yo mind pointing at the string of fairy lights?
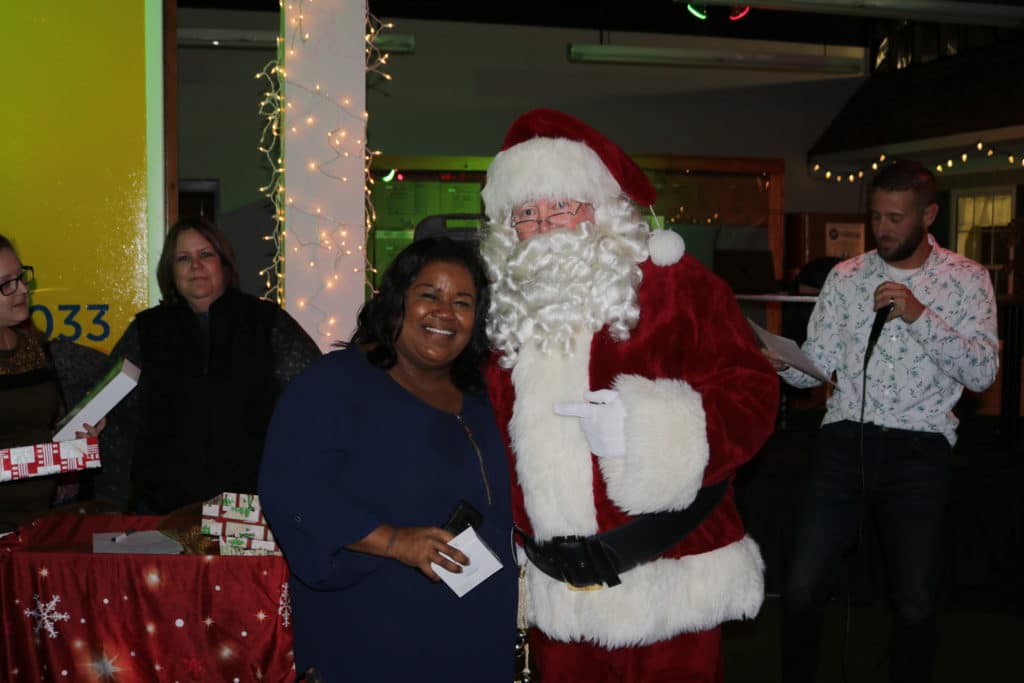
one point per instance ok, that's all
(980, 151)
(331, 236)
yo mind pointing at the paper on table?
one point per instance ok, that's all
(482, 563)
(788, 351)
(135, 543)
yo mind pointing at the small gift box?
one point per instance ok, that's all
(236, 545)
(45, 459)
(237, 521)
(107, 393)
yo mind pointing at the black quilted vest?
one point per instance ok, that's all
(205, 406)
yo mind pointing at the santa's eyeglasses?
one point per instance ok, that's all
(528, 220)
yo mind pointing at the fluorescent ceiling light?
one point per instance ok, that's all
(392, 43)
(227, 38)
(941, 11)
(709, 58)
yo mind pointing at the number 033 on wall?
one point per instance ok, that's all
(73, 322)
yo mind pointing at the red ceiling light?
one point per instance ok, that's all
(738, 13)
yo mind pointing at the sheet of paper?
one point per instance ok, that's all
(788, 351)
(135, 543)
(482, 563)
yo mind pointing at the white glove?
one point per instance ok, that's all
(603, 420)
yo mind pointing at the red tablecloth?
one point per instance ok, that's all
(70, 615)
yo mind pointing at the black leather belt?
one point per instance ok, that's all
(589, 561)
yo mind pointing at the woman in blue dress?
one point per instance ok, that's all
(368, 452)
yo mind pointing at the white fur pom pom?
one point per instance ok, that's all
(666, 247)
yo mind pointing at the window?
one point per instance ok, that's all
(984, 231)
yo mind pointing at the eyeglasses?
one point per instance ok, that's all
(26, 277)
(526, 221)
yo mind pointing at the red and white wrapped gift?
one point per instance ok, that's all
(45, 459)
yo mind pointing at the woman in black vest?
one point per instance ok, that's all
(213, 361)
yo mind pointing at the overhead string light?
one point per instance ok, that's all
(331, 237)
(978, 152)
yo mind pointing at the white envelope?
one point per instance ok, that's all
(482, 563)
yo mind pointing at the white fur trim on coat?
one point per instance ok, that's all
(553, 460)
(666, 446)
(546, 168)
(655, 601)
(666, 247)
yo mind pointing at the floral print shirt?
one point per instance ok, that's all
(917, 371)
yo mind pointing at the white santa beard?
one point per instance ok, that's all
(553, 460)
(559, 284)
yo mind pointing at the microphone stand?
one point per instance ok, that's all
(881, 317)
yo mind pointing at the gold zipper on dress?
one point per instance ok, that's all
(479, 456)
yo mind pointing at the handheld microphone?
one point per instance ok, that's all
(881, 316)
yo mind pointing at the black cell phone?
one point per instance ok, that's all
(464, 515)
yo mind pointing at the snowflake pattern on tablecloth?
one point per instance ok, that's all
(194, 665)
(284, 606)
(46, 615)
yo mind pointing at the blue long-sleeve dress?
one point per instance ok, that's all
(349, 449)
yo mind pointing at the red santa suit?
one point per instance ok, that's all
(700, 401)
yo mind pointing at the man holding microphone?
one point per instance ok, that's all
(884, 447)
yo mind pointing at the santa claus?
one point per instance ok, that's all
(629, 389)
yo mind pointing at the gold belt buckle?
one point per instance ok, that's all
(591, 587)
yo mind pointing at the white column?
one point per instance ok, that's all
(324, 142)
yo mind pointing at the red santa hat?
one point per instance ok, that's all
(548, 154)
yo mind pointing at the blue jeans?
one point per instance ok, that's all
(906, 487)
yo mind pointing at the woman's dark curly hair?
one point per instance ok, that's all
(381, 318)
